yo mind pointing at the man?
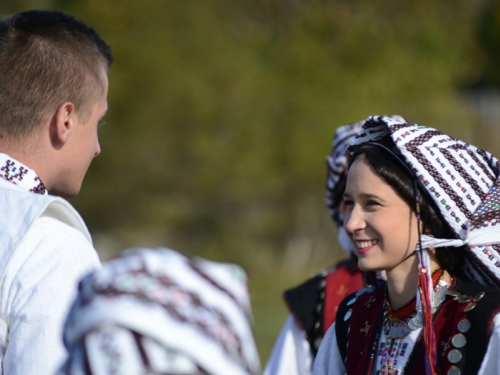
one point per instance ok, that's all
(53, 93)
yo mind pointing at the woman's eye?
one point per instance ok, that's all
(348, 202)
(372, 203)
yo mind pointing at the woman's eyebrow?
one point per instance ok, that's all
(368, 195)
(364, 196)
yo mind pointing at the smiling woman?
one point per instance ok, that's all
(378, 220)
(435, 313)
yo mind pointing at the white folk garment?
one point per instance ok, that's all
(156, 311)
(291, 354)
(329, 362)
(45, 249)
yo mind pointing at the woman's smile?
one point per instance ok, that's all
(362, 246)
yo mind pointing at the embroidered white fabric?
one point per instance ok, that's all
(38, 284)
(157, 311)
(476, 237)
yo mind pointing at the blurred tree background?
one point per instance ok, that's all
(221, 113)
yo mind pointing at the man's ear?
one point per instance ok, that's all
(62, 124)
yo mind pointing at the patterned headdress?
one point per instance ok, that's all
(463, 181)
(157, 312)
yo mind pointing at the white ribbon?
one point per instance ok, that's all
(480, 236)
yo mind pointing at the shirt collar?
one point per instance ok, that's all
(20, 175)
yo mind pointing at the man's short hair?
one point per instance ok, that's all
(46, 59)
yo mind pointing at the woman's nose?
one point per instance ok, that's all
(353, 220)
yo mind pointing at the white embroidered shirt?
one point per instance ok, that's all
(44, 251)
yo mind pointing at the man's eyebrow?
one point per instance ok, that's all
(101, 120)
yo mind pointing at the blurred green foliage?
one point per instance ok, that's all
(222, 111)
(489, 43)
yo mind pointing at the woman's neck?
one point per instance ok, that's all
(402, 284)
(402, 281)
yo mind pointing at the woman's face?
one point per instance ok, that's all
(380, 223)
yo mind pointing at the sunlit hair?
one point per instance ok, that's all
(46, 59)
(387, 166)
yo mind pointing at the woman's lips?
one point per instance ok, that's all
(362, 246)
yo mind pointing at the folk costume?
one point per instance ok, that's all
(449, 328)
(155, 311)
(45, 249)
(313, 304)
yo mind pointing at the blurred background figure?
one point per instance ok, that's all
(159, 312)
(313, 305)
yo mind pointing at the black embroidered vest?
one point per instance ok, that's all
(357, 326)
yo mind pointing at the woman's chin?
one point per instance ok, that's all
(368, 267)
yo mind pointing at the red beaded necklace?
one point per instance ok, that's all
(407, 310)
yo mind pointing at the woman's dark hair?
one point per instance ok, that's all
(393, 170)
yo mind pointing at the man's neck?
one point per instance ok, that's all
(31, 151)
